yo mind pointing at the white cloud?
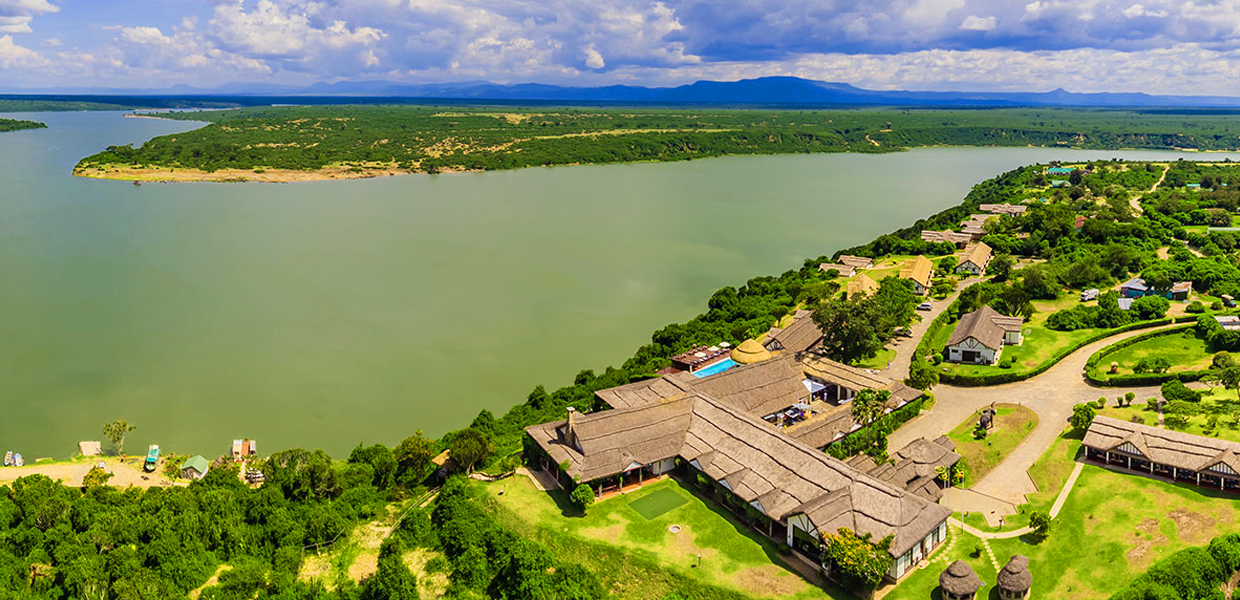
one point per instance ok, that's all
(976, 23)
(15, 25)
(144, 35)
(13, 56)
(594, 60)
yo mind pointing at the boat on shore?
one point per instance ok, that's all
(152, 459)
(8, 458)
(18, 461)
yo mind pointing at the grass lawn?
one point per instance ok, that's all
(1049, 474)
(1113, 526)
(879, 361)
(1013, 424)
(627, 538)
(1221, 402)
(1185, 351)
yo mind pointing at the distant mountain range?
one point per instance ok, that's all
(762, 91)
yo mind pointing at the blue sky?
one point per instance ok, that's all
(1159, 46)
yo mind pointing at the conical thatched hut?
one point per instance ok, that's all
(1015, 579)
(749, 352)
(959, 582)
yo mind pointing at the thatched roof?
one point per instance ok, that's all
(959, 579)
(978, 255)
(856, 262)
(947, 235)
(843, 270)
(749, 352)
(644, 392)
(1003, 209)
(1163, 446)
(772, 472)
(759, 389)
(821, 367)
(800, 336)
(1015, 576)
(918, 269)
(985, 325)
(913, 466)
(861, 284)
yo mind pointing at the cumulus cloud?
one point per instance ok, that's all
(16, 15)
(13, 56)
(976, 23)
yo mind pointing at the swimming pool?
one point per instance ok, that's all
(718, 367)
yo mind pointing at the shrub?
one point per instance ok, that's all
(1139, 419)
(583, 496)
(1082, 416)
(1195, 307)
(1151, 404)
(1176, 390)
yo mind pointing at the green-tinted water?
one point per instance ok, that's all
(325, 314)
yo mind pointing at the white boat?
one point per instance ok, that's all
(8, 458)
(18, 461)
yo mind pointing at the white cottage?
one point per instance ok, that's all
(976, 257)
(980, 336)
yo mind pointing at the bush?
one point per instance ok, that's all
(1157, 364)
(583, 496)
(1152, 404)
(1082, 416)
(1195, 307)
(1176, 390)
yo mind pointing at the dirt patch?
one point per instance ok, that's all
(215, 578)
(685, 544)
(315, 567)
(430, 585)
(1194, 528)
(365, 565)
(768, 581)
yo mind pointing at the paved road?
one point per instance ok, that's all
(1051, 394)
(905, 346)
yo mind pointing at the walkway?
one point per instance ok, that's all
(905, 346)
(1136, 200)
(1055, 508)
(1051, 394)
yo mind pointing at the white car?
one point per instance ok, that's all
(925, 306)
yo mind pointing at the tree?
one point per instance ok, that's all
(392, 580)
(857, 557)
(1040, 522)
(95, 477)
(1178, 412)
(470, 447)
(869, 405)
(583, 496)
(413, 459)
(116, 432)
(1230, 378)
(850, 328)
(1001, 267)
(1149, 308)
(1082, 416)
(922, 375)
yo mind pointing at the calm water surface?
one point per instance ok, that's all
(327, 314)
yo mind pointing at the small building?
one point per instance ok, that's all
(1195, 187)
(90, 448)
(976, 257)
(243, 449)
(861, 284)
(843, 270)
(1136, 288)
(1079, 222)
(195, 467)
(1011, 210)
(1177, 456)
(1089, 295)
(1124, 303)
(975, 226)
(1228, 301)
(920, 271)
(959, 582)
(980, 336)
(856, 262)
(947, 236)
(1228, 322)
(749, 352)
(699, 357)
(1059, 170)
(1015, 580)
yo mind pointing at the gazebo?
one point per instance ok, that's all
(959, 582)
(749, 352)
(1015, 580)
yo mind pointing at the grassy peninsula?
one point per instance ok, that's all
(17, 125)
(339, 142)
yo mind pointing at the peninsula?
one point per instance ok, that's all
(299, 143)
(17, 125)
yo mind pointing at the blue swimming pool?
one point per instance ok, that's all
(718, 367)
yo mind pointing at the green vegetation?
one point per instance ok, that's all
(1013, 423)
(431, 139)
(1190, 573)
(80, 103)
(639, 557)
(1173, 351)
(15, 125)
(858, 328)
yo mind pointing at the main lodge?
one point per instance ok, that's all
(754, 434)
(1208, 462)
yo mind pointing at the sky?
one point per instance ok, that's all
(1183, 47)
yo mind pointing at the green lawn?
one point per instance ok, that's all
(1049, 474)
(1013, 424)
(1185, 351)
(1221, 402)
(1113, 526)
(631, 549)
(879, 361)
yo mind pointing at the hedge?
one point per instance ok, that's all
(1093, 375)
(1009, 377)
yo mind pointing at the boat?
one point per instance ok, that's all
(8, 458)
(152, 459)
(18, 461)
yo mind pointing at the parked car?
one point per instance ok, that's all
(925, 306)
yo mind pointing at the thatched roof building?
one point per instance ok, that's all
(861, 284)
(1015, 579)
(1014, 210)
(856, 262)
(919, 270)
(913, 466)
(842, 270)
(976, 258)
(773, 473)
(799, 336)
(959, 582)
(749, 352)
(1164, 447)
(946, 236)
(986, 326)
